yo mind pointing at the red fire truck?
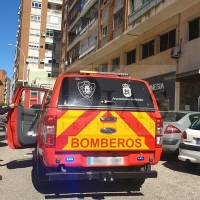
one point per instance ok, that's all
(93, 125)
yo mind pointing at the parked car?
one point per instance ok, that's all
(189, 147)
(3, 118)
(174, 124)
(2, 131)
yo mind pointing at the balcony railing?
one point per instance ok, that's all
(143, 9)
(72, 40)
(118, 31)
(55, 11)
(88, 25)
(104, 41)
(55, 1)
(51, 65)
(88, 49)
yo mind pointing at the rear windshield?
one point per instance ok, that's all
(196, 125)
(95, 92)
(172, 116)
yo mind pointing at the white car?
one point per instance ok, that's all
(189, 148)
(174, 123)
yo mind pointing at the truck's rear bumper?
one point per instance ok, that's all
(100, 175)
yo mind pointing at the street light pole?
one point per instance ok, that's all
(24, 60)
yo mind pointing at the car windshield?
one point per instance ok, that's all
(196, 125)
(172, 116)
(101, 92)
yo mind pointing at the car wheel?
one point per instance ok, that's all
(189, 166)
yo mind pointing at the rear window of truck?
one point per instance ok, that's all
(103, 92)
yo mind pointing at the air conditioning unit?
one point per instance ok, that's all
(43, 34)
(41, 60)
(175, 52)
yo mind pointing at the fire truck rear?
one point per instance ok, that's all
(98, 125)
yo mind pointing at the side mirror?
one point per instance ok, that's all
(3, 131)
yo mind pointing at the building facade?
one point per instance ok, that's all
(154, 40)
(38, 40)
(4, 88)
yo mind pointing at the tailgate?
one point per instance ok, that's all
(91, 130)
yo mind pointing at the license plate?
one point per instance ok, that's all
(105, 160)
(198, 141)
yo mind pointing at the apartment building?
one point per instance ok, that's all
(155, 40)
(38, 41)
(5, 84)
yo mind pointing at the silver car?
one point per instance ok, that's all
(174, 124)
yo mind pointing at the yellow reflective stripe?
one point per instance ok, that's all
(146, 121)
(67, 119)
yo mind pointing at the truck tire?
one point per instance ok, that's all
(39, 178)
(189, 166)
(135, 182)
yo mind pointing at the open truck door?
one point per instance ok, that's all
(22, 120)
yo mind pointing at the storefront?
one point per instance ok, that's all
(163, 87)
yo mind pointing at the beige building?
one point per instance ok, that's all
(155, 40)
(4, 88)
(38, 43)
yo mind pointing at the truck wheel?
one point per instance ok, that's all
(136, 182)
(189, 166)
(39, 178)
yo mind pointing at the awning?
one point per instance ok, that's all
(49, 43)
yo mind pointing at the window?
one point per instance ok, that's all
(105, 67)
(36, 4)
(115, 63)
(105, 2)
(109, 89)
(33, 45)
(148, 49)
(32, 59)
(130, 57)
(35, 32)
(104, 31)
(131, 6)
(194, 29)
(97, 69)
(167, 40)
(118, 18)
(89, 41)
(144, 1)
(35, 18)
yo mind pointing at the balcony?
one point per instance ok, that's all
(104, 41)
(118, 31)
(143, 9)
(89, 23)
(58, 12)
(88, 49)
(55, 1)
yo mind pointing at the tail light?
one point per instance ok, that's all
(49, 131)
(184, 135)
(172, 129)
(159, 127)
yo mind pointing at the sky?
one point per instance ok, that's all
(9, 27)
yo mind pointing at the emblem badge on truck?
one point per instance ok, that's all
(126, 90)
(108, 130)
(86, 89)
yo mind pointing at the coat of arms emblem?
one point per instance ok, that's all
(86, 89)
(126, 90)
